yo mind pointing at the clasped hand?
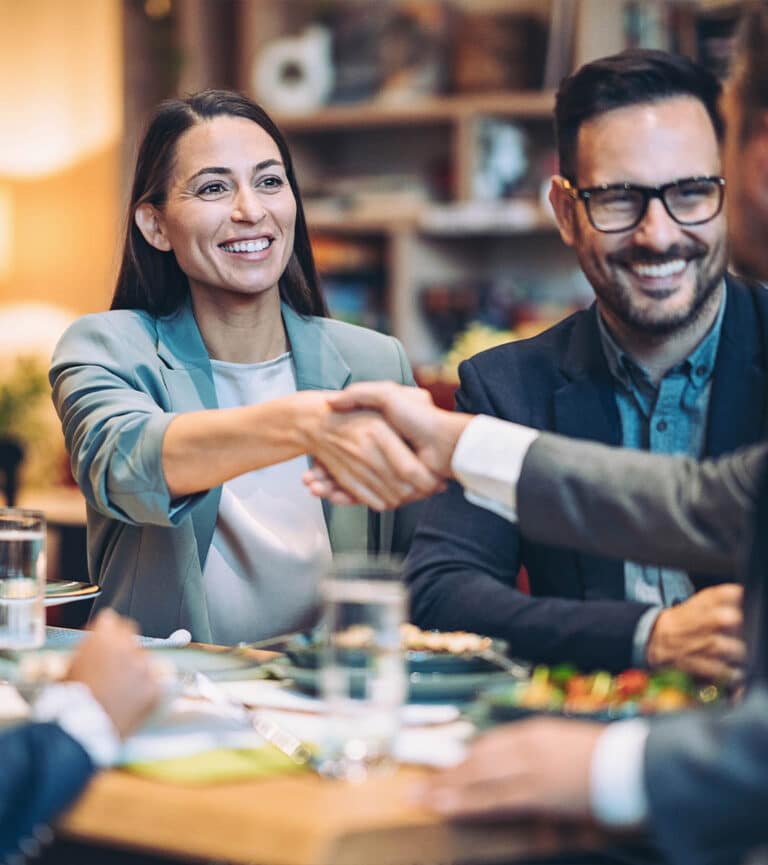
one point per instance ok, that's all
(382, 445)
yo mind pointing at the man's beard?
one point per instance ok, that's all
(620, 301)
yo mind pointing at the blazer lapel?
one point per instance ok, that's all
(189, 380)
(320, 366)
(737, 403)
(585, 408)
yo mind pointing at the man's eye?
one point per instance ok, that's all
(696, 190)
(616, 198)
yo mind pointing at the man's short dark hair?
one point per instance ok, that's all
(632, 77)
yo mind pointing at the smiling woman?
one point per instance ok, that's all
(191, 408)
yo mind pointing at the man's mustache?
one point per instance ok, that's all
(636, 254)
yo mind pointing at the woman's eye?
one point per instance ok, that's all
(214, 188)
(271, 183)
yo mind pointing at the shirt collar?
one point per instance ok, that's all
(698, 366)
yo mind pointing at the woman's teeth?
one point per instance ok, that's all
(247, 245)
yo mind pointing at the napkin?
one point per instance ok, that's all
(276, 695)
(431, 734)
(221, 764)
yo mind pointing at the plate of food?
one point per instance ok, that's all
(426, 652)
(422, 687)
(59, 592)
(564, 690)
(31, 669)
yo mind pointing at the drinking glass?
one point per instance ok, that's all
(22, 579)
(362, 674)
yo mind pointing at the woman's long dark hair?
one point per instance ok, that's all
(152, 280)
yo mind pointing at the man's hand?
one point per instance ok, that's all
(431, 433)
(702, 636)
(541, 766)
(117, 671)
(369, 462)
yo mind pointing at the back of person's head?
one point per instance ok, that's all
(633, 77)
(749, 71)
(152, 280)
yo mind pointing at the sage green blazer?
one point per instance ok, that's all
(118, 380)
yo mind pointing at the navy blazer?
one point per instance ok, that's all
(43, 771)
(464, 560)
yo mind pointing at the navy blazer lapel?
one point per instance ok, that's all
(585, 407)
(737, 403)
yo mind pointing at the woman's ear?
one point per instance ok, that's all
(563, 205)
(150, 223)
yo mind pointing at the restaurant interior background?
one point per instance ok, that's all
(422, 135)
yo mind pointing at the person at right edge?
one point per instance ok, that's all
(697, 781)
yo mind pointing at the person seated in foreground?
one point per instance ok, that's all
(672, 357)
(76, 728)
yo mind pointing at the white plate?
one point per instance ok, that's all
(59, 592)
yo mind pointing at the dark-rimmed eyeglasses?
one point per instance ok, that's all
(622, 206)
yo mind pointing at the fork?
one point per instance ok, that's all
(282, 739)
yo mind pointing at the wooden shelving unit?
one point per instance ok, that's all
(444, 109)
(401, 177)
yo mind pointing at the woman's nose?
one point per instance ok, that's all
(247, 207)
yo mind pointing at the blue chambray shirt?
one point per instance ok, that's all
(670, 418)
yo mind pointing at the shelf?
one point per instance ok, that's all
(446, 109)
(437, 220)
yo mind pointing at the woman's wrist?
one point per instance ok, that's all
(310, 410)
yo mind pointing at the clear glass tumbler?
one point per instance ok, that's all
(363, 677)
(22, 579)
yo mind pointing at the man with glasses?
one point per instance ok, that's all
(671, 358)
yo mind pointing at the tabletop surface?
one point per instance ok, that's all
(300, 820)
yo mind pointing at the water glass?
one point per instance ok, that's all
(363, 677)
(22, 579)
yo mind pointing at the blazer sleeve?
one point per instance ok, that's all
(109, 400)
(462, 571)
(43, 771)
(706, 778)
(655, 508)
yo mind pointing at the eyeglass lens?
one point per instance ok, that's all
(690, 202)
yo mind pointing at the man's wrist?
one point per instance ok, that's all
(657, 653)
(642, 636)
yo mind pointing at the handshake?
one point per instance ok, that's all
(382, 444)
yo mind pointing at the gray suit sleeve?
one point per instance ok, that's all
(668, 510)
(707, 782)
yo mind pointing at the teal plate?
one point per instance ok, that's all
(305, 653)
(422, 687)
(498, 703)
(219, 665)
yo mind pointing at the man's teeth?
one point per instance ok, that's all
(656, 271)
(247, 245)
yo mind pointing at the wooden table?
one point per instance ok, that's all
(299, 820)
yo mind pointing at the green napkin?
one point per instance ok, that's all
(222, 764)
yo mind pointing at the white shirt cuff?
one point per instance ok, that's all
(643, 630)
(74, 708)
(617, 784)
(488, 460)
